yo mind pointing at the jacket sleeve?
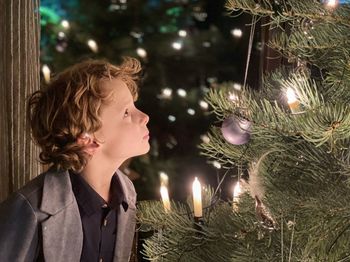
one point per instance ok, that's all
(18, 230)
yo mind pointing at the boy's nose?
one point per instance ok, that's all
(144, 118)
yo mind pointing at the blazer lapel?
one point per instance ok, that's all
(62, 231)
(126, 221)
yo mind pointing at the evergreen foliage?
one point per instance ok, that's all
(301, 161)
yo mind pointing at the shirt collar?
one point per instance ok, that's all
(90, 201)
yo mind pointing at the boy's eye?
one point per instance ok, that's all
(126, 113)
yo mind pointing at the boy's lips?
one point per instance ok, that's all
(146, 136)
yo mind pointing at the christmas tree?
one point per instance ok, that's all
(288, 142)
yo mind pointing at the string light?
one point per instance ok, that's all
(182, 33)
(203, 104)
(237, 33)
(141, 52)
(93, 45)
(217, 164)
(65, 24)
(166, 93)
(191, 111)
(205, 138)
(232, 96)
(136, 34)
(171, 118)
(206, 44)
(212, 80)
(199, 14)
(237, 86)
(181, 92)
(61, 35)
(177, 45)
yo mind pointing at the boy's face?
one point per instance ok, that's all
(124, 133)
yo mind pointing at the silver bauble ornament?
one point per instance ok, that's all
(236, 130)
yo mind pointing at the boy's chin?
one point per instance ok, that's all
(144, 151)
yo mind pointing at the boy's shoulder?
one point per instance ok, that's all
(33, 190)
(34, 186)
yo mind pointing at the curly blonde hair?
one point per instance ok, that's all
(69, 106)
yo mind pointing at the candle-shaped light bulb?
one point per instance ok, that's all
(236, 193)
(46, 73)
(197, 198)
(165, 198)
(237, 190)
(331, 3)
(292, 101)
(164, 178)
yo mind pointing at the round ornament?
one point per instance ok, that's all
(236, 130)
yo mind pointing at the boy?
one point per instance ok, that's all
(83, 207)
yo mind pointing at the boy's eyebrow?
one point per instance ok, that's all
(123, 103)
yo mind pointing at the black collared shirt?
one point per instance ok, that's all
(99, 219)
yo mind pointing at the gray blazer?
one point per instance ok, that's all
(43, 218)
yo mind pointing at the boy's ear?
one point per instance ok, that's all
(89, 144)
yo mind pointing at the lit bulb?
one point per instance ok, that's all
(171, 118)
(93, 45)
(181, 92)
(191, 111)
(237, 191)
(217, 164)
(291, 95)
(205, 138)
(177, 45)
(61, 35)
(136, 34)
(237, 86)
(203, 104)
(206, 44)
(166, 92)
(232, 96)
(331, 3)
(237, 32)
(292, 101)
(164, 179)
(65, 24)
(197, 198)
(165, 198)
(141, 52)
(46, 73)
(182, 33)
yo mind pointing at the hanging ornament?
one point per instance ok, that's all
(264, 215)
(236, 130)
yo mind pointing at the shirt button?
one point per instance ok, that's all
(105, 224)
(101, 260)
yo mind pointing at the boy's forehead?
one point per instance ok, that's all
(119, 91)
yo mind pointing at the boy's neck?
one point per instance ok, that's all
(98, 174)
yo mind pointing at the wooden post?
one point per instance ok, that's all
(19, 77)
